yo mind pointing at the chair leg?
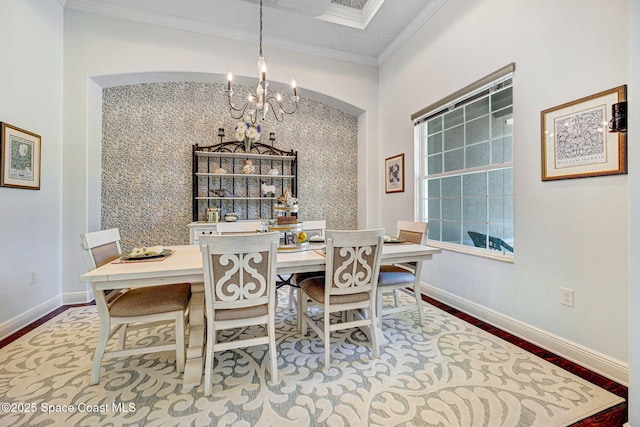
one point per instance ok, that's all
(302, 312)
(374, 333)
(208, 361)
(180, 352)
(418, 295)
(292, 297)
(103, 337)
(379, 294)
(123, 336)
(327, 340)
(273, 354)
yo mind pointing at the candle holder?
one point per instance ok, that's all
(221, 133)
(272, 138)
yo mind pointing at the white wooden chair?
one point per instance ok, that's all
(349, 283)
(403, 276)
(142, 306)
(238, 227)
(239, 286)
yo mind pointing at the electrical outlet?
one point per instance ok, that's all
(33, 277)
(566, 296)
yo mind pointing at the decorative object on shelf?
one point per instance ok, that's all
(247, 167)
(213, 214)
(287, 199)
(274, 172)
(575, 141)
(267, 190)
(292, 238)
(220, 171)
(231, 217)
(394, 174)
(259, 102)
(221, 134)
(221, 192)
(249, 133)
(272, 138)
(20, 155)
(286, 220)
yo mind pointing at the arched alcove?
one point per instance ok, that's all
(145, 124)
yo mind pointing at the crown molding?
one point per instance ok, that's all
(350, 17)
(414, 25)
(219, 31)
(349, 14)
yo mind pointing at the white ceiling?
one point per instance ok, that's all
(361, 31)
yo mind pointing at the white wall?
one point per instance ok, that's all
(634, 212)
(570, 233)
(98, 47)
(30, 224)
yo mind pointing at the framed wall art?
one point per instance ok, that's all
(577, 142)
(394, 174)
(20, 158)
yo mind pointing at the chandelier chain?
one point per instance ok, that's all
(260, 102)
(260, 27)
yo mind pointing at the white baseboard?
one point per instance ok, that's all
(77, 298)
(12, 326)
(611, 368)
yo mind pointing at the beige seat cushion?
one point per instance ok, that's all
(151, 300)
(299, 277)
(391, 275)
(241, 313)
(314, 287)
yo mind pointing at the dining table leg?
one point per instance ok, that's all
(195, 349)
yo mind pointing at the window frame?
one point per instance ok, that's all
(501, 79)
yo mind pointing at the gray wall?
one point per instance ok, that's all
(148, 132)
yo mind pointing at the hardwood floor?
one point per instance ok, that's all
(613, 417)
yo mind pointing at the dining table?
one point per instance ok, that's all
(184, 265)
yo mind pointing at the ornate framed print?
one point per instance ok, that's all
(576, 141)
(394, 174)
(20, 158)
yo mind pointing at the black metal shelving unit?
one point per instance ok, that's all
(234, 191)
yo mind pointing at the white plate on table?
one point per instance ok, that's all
(165, 252)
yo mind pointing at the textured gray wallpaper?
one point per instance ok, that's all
(148, 132)
(355, 4)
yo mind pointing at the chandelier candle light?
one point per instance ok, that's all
(259, 102)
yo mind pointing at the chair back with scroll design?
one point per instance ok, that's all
(239, 286)
(348, 285)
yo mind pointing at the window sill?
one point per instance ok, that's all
(471, 250)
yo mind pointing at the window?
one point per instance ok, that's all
(465, 168)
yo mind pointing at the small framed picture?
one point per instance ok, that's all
(20, 158)
(584, 138)
(394, 174)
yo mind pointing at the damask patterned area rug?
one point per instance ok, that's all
(446, 373)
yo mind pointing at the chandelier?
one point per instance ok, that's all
(259, 103)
